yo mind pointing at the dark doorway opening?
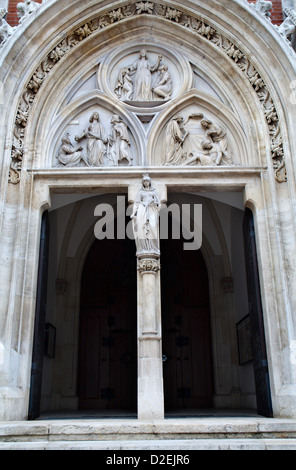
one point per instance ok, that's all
(257, 333)
(186, 326)
(107, 377)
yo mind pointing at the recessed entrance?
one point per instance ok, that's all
(188, 372)
(107, 378)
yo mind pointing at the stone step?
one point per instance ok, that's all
(156, 445)
(132, 434)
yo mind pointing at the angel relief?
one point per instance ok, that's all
(196, 141)
(143, 81)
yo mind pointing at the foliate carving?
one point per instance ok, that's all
(148, 265)
(135, 81)
(144, 7)
(196, 141)
(199, 26)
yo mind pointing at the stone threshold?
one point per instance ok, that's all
(171, 446)
(133, 430)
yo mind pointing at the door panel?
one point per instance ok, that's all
(108, 353)
(258, 344)
(188, 372)
(39, 327)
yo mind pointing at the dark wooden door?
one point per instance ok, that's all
(258, 345)
(108, 324)
(39, 327)
(187, 346)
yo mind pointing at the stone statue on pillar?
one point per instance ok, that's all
(145, 218)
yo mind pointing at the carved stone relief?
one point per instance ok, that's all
(70, 155)
(144, 78)
(96, 148)
(264, 7)
(24, 9)
(196, 140)
(198, 26)
(136, 82)
(288, 27)
(5, 29)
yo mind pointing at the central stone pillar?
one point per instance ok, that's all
(146, 231)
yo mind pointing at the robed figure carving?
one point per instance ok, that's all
(139, 88)
(145, 218)
(96, 140)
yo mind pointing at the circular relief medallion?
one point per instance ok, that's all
(145, 76)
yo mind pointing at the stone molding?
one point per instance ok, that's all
(197, 25)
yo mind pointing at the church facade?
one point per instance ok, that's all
(147, 225)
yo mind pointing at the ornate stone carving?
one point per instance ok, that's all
(163, 86)
(96, 140)
(201, 143)
(148, 265)
(288, 27)
(24, 9)
(100, 150)
(199, 26)
(69, 155)
(135, 81)
(145, 219)
(119, 143)
(5, 29)
(264, 7)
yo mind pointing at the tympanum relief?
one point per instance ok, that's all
(144, 81)
(196, 140)
(95, 148)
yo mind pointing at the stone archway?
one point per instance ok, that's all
(46, 71)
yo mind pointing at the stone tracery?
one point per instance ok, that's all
(197, 25)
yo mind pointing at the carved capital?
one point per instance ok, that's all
(148, 266)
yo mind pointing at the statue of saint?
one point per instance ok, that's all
(96, 141)
(145, 218)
